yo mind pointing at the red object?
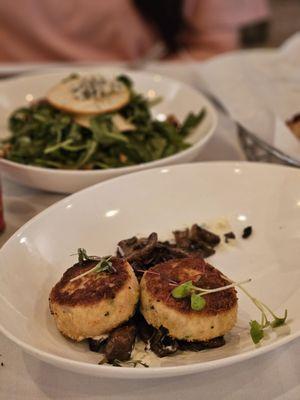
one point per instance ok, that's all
(2, 223)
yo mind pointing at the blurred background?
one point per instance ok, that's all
(284, 20)
(130, 30)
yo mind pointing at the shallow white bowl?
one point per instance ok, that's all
(178, 99)
(266, 197)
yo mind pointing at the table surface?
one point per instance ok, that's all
(275, 375)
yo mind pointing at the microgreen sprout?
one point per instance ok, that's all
(82, 256)
(188, 289)
(197, 302)
(256, 328)
(256, 331)
(104, 264)
(183, 290)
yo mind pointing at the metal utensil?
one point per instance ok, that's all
(255, 149)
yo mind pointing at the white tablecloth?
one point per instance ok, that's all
(275, 375)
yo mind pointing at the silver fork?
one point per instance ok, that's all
(255, 148)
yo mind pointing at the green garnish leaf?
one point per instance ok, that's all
(126, 80)
(191, 121)
(279, 321)
(82, 255)
(197, 302)
(105, 132)
(256, 331)
(183, 290)
(104, 265)
(90, 149)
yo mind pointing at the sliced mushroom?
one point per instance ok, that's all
(145, 331)
(197, 240)
(135, 250)
(198, 233)
(97, 345)
(182, 238)
(198, 346)
(120, 343)
(162, 344)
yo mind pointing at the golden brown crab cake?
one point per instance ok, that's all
(94, 304)
(160, 308)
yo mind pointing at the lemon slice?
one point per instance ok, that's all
(91, 94)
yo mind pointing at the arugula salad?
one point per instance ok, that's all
(48, 134)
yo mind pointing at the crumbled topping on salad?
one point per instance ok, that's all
(96, 87)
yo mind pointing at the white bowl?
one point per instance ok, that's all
(178, 99)
(266, 197)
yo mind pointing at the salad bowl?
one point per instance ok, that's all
(177, 99)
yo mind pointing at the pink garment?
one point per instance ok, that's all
(216, 25)
(95, 30)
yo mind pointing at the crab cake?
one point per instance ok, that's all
(160, 309)
(94, 303)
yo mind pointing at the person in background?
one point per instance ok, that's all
(127, 30)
